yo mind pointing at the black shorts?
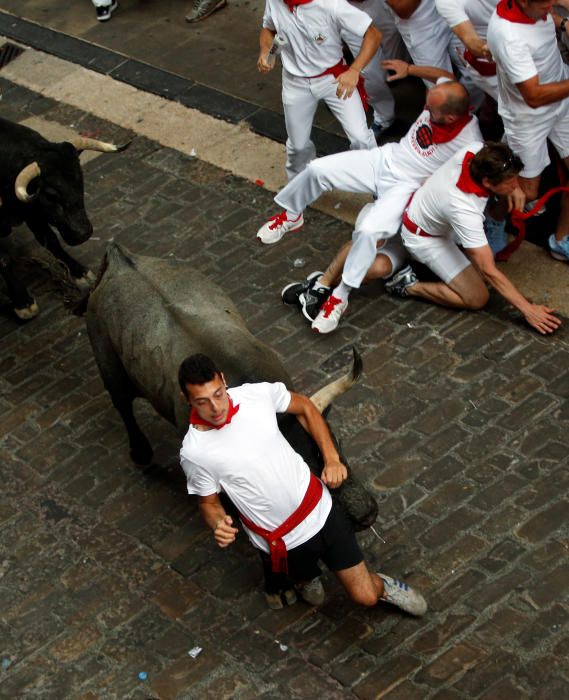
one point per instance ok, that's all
(335, 544)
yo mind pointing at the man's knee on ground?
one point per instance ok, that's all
(476, 298)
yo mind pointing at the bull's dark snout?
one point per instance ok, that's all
(79, 231)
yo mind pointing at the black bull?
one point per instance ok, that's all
(146, 315)
(41, 185)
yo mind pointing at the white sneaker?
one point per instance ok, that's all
(277, 226)
(403, 596)
(329, 315)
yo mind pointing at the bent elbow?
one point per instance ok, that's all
(534, 101)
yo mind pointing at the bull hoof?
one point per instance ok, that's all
(27, 312)
(86, 281)
(142, 455)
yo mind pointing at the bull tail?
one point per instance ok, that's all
(324, 397)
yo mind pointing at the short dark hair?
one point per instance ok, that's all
(495, 161)
(196, 369)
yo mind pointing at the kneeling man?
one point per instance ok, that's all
(234, 446)
(449, 208)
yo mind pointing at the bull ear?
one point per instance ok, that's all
(29, 173)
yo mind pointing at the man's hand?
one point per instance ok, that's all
(400, 68)
(224, 532)
(542, 318)
(333, 474)
(347, 83)
(479, 48)
(263, 65)
(517, 200)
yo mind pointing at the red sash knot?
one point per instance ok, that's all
(277, 547)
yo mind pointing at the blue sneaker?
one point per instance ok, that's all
(559, 249)
(495, 234)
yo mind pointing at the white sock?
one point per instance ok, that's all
(342, 291)
(292, 215)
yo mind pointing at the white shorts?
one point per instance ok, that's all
(528, 138)
(441, 255)
(393, 249)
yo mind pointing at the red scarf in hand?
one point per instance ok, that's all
(510, 10)
(293, 3)
(443, 133)
(196, 419)
(466, 183)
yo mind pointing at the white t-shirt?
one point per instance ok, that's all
(250, 460)
(478, 12)
(424, 23)
(442, 209)
(312, 33)
(416, 157)
(522, 51)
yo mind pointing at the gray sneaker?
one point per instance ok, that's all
(312, 592)
(291, 293)
(403, 596)
(204, 8)
(401, 281)
(311, 301)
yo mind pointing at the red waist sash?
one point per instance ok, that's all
(481, 65)
(342, 67)
(274, 539)
(412, 227)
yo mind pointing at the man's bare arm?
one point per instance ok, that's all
(471, 39)
(348, 80)
(266, 37)
(542, 318)
(215, 517)
(334, 471)
(402, 69)
(536, 94)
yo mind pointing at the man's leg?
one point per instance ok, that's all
(363, 586)
(350, 171)
(466, 291)
(350, 113)
(299, 106)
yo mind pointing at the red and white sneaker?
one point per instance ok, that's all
(277, 226)
(329, 315)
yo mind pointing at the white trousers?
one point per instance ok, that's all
(364, 172)
(380, 96)
(300, 100)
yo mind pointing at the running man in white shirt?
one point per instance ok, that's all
(448, 211)
(533, 85)
(314, 70)
(234, 446)
(390, 173)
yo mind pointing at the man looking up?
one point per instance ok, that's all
(234, 445)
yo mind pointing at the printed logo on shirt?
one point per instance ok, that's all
(320, 38)
(421, 138)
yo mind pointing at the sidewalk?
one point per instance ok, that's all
(458, 426)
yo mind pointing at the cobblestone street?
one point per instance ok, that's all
(458, 426)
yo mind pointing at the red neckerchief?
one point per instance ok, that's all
(196, 419)
(274, 539)
(293, 3)
(443, 133)
(510, 10)
(465, 183)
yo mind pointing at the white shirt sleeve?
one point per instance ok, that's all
(452, 11)
(279, 395)
(351, 19)
(469, 229)
(267, 19)
(514, 58)
(198, 480)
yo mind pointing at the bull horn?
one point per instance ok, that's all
(324, 397)
(84, 144)
(29, 173)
